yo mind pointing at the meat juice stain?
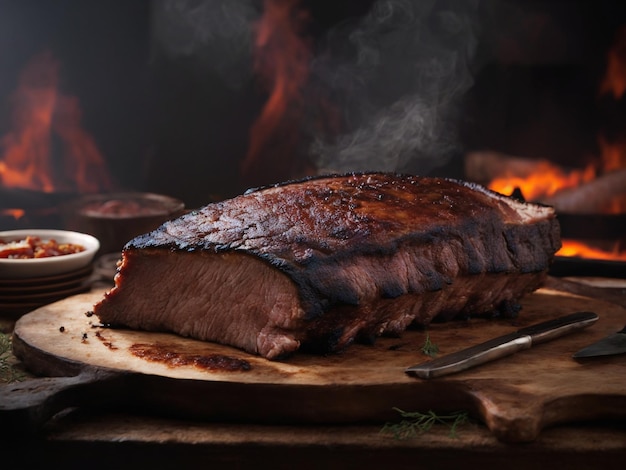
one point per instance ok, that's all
(105, 341)
(214, 362)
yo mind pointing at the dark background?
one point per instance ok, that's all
(171, 123)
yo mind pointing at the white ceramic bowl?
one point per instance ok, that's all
(40, 267)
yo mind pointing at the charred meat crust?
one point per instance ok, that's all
(369, 236)
(368, 253)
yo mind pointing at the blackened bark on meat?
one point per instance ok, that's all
(322, 262)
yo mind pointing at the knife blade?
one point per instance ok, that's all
(503, 346)
(608, 346)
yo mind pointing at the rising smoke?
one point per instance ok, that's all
(399, 73)
(396, 75)
(214, 34)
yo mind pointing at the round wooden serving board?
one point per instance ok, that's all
(515, 397)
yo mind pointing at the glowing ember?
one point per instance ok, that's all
(282, 56)
(582, 250)
(546, 180)
(41, 113)
(15, 213)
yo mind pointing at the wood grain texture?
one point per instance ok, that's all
(516, 397)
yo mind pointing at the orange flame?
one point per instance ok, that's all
(613, 154)
(582, 250)
(549, 179)
(15, 213)
(281, 61)
(615, 77)
(40, 112)
(546, 180)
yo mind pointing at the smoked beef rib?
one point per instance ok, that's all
(318, 263)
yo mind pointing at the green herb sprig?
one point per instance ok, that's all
(8, 373)
(414, 423)
(430, 348)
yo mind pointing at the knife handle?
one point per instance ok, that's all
(558, 327)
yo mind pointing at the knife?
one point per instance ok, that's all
(502, 346)
(612, 344)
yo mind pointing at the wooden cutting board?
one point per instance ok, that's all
(515, 397)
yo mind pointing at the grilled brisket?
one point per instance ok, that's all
(318, 263)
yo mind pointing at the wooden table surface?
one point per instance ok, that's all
(101, 438)
(92, 439)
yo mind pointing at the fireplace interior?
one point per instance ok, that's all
(200, 100)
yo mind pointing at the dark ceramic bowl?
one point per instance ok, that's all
(116, 218)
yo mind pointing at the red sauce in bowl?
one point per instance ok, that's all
(34, 247)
